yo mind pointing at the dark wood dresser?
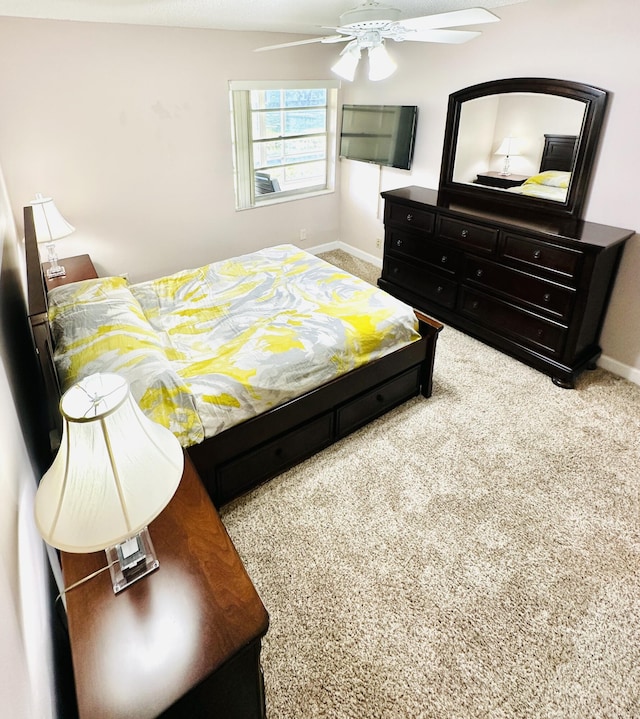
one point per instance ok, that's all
(536, 288)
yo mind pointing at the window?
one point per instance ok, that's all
(284, 140)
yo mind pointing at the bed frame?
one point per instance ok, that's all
(239, 458)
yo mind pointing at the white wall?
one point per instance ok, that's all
(582, 40)
(129, 129)
(26, 679)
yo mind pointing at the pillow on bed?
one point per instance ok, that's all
(99, 326)
(551, 178)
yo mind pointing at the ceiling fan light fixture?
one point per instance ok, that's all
(348, 61)
(381, 66)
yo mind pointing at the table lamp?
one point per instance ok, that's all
(115, 471)
(50, 225)
(509, 147)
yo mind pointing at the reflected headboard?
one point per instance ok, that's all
(559, 152)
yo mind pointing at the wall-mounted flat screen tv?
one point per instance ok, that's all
(380, 134)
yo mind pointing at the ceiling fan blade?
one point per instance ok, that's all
(328, 38)
(473, 16)
(338, 38)
(452, 37)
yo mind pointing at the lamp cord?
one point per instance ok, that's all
(85, 579)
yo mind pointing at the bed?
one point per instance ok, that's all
(249, 399)
(554, 176)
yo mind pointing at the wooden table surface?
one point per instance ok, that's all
(79, 267)
(136, 653)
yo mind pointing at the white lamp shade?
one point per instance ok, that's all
(49, 223)
(116, 470)
(348, 62)
(381, 66)
(510, 146)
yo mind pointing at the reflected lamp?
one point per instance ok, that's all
(115, 471)
(509, 147)
(50, 226)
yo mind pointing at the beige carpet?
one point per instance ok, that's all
(476, 554)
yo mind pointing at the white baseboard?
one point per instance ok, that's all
(618, 368)
(337, 245)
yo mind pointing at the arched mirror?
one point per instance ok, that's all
(522, 143)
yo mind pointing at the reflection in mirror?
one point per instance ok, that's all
(522, 144)
(504, 143)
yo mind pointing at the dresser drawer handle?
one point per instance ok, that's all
(475, 304)
(464, 233)
(398, 243)
(439, 289)
(537, 254)
(540, 333)
(479, 273)
(396, 270)
(444, 259)
(380, 398)
(547, 297)
(409, 217)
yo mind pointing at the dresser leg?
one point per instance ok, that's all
(564, 383)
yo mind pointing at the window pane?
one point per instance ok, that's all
(282, 152)
(266, 124)
(268, 99)
(312, 173)
(287, 122)
(297, 177)
(301, 122)
(305, 98)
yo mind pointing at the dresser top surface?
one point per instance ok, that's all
(581, 231)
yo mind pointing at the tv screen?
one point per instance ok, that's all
(380, 134)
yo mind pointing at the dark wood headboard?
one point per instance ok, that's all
(37, 311)
(559, 152)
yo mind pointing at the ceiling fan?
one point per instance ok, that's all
(367, 27)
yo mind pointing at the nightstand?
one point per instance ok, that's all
(184, 641)
(77, 268)
(495, 179)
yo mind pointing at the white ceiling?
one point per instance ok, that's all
(294, 16)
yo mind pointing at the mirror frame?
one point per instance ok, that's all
(595, 100)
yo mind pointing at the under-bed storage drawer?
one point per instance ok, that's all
(239, 475)
(376, 402)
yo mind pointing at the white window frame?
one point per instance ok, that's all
(239, 92)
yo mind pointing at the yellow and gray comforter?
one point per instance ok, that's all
(205, 349)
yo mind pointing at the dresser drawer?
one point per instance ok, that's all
(426, 284)
(469, 235)
(526, 289)
(379, 400)
(507, 320)
(562, 262)
(409, 218)
(240, 474)
(423, 249)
